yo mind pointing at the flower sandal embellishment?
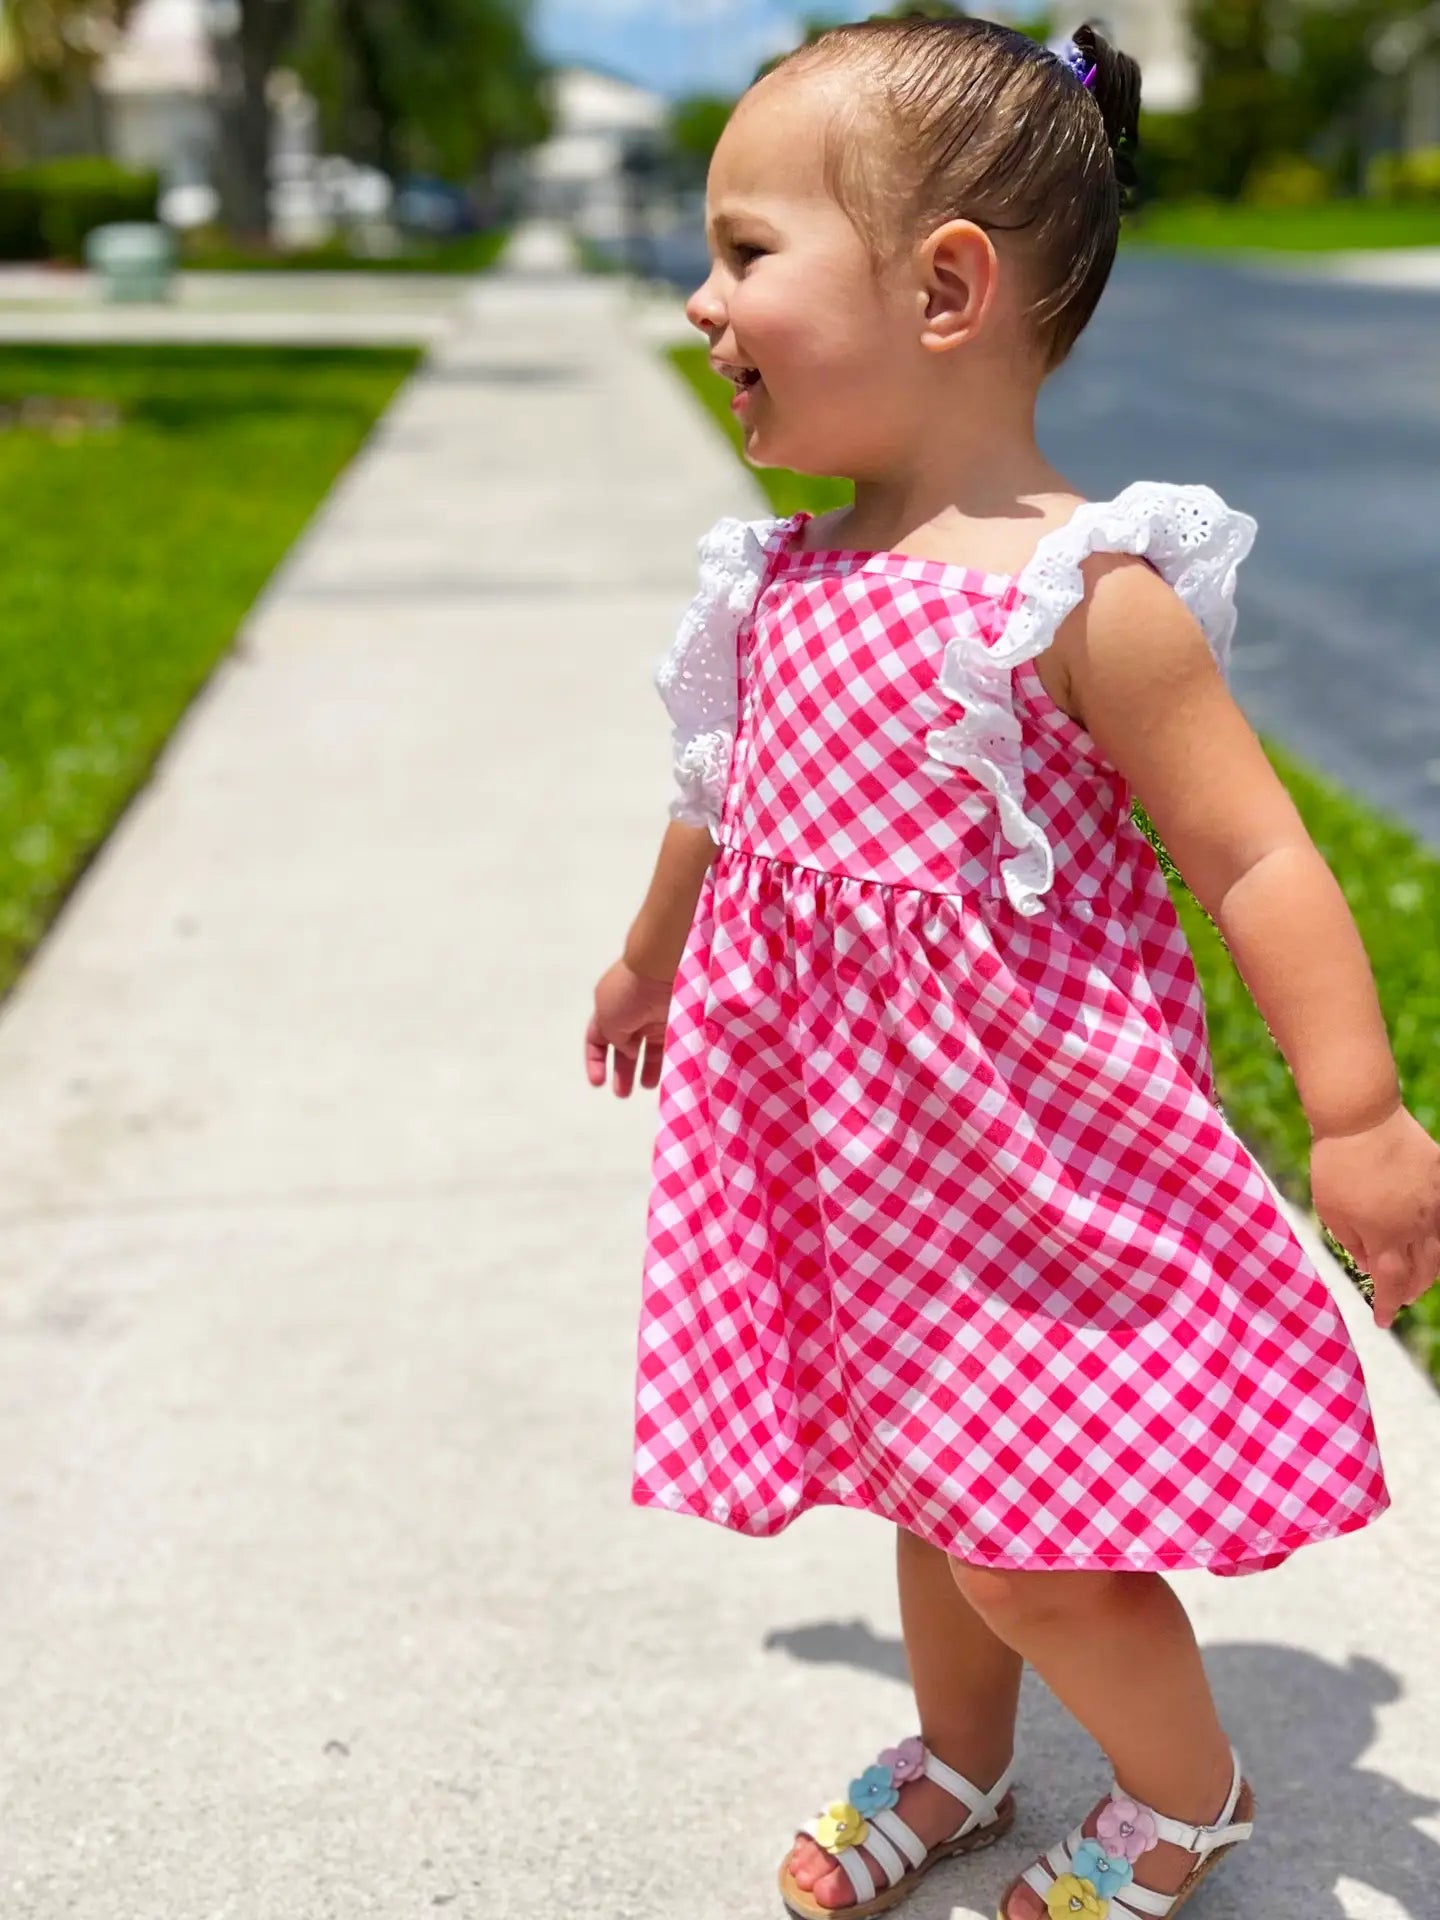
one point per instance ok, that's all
(1102, 1867)
(875, 1791)
(1091, 1879)
(906, 1762)
(1074, 1899)
(841, 1826)
(1128, 1829)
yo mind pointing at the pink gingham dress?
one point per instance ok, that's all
(946, 1223)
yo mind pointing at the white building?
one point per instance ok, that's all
(578, 174)
(158, 86)
(1407, 60)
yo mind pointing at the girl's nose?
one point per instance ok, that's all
(705, 309)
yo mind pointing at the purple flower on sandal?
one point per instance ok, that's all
(873, 1792)
(1127, 1829)
(906, 1762)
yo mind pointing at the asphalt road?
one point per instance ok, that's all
(1314, 405)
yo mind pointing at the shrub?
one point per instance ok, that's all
(1405, 176)
(1288, 180)
(1168, 166)
(46, 211)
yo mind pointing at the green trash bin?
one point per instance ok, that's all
(134, 260)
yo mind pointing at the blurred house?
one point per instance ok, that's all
(1407, 61)
(150, 101)
(160, 89)
(608, 134)
(158, 85)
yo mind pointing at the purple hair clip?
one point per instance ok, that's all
(1075, 60)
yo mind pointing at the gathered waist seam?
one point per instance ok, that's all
(1059, 894)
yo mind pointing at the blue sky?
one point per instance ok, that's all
(680, 46)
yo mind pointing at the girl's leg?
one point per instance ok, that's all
(966, 1678)
(967, 1688)
(1118, 1650)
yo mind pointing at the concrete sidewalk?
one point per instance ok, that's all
(1410, 269)
(42, 304)
(322, 1594)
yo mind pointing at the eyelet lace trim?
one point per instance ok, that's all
(1195, 541)
(697, 679)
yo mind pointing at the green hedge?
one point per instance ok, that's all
(1392, 885)
(1217, 225)
(1406, 176)
(46, 211)
(208, 250)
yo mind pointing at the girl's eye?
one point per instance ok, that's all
(747, 255)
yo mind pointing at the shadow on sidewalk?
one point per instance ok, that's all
(505, 373)
(1299, 1724)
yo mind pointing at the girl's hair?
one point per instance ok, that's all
(978, 122)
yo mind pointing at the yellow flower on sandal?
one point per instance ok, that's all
(841, 1826)
(1074, 1899)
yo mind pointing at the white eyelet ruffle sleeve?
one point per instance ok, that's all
(1197, 544)
(697, 679)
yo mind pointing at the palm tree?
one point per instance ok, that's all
(442, 85)
(249, 40)
(439, 83)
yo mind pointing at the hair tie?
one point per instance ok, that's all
(1069, 55)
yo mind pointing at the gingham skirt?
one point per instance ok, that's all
(946, 1223)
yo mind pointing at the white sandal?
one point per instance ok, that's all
(1084, 1879)
(866, 1819)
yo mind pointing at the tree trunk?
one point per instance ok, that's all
(244, 60)
(375, 107)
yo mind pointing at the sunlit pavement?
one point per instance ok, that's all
(277, 309)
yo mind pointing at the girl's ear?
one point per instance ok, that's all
(958, 276)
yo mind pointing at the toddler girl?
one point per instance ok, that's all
(946, 1222)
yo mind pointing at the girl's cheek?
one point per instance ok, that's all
(776, 305)
(786, 327)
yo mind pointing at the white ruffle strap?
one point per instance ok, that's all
(1197, 544)
(697, 677)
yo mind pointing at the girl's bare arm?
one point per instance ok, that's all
(1147, 690)
(657, 939)
(625, 1038)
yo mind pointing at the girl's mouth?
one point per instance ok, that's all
(747, 383)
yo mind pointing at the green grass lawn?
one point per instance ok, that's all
(147, 493)
(1339, 224)
(471, 253)
(1391, 882)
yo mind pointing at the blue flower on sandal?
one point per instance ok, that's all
(873, 1792)
(1105, 1873)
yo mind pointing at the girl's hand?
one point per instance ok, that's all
(1378, 1192)
(629, 1019)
